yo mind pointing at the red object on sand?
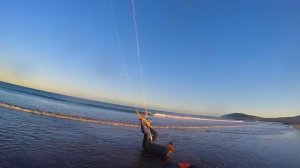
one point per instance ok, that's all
(184, 165)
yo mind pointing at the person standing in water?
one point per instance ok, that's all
(150, 135)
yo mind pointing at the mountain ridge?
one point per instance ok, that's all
(284, 120)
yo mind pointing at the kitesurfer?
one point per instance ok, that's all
(150, 135)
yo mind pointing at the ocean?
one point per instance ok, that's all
(42, 129)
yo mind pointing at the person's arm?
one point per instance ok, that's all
(142, 126)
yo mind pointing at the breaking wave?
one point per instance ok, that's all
(192, 118)
(100, 121)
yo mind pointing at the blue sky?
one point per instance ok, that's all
(208, 57)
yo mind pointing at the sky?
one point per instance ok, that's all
(207, 57)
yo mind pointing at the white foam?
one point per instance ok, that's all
(106, 122)
(192, 118)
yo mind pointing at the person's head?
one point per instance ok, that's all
(170, 147)
(149, 119)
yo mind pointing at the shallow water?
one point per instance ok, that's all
(36, 140)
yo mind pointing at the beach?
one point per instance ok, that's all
(37, 130)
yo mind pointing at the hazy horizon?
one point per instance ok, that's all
(198, 57)
(134, 105)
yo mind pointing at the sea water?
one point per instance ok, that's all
(41, 129)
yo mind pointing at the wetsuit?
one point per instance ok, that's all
(150, 135)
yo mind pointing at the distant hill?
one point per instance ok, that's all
(285, 120)
(241, 116)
